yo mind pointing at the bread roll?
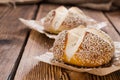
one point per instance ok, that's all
(86, 47)
(64, 19)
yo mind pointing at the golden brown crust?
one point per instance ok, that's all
(59, 46)
(93, 50)
(72, 20)
(65, 19)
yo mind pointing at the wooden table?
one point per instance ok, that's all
(19, 45)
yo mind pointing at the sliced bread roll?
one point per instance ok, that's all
(64, 19)
(83, 47)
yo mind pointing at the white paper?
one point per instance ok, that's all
(101, 71)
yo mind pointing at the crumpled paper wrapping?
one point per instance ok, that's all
(37, 25)
(112, 66)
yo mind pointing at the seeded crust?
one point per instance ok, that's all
(76, 17)
(59, 46)
(72, 20)
(93, 50)
(65, 19)
(48, 20)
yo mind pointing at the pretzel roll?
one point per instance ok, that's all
(64, 19)
(86, 47)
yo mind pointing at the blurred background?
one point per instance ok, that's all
(93, 4)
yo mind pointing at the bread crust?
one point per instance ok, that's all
(92, 51)
(65, 19)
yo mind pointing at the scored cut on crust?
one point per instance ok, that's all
(54, 19)
(64, 19)
(83, 47)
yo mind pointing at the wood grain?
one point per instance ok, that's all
(30, 69)
(99, 16)
(38, 44)
(114, 17)
(12, 36)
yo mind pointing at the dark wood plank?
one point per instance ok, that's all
(12, 36)
(114, 17)
(39, 43)
(99, 16)
(36, 45)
